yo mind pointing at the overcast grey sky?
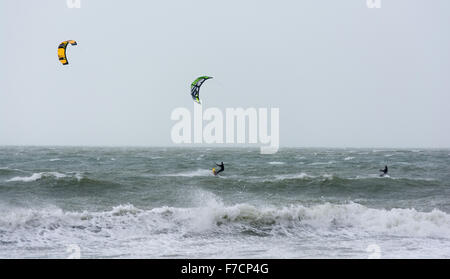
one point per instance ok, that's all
(341, 74)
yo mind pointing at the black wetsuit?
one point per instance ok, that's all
(222, 168)
(385, 171)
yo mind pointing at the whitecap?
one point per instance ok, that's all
(36, 176)
(321, 163)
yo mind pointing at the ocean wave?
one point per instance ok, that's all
(321, 163)
(348, 158)
(214, 216)
(276, 163)
(297, 176)
(7, 170)
(42, 175)
(290, 176)
(334, 184)
(329, 177)
(199, 172)
(36, 176)
(376, 176)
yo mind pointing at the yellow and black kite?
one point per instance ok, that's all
(62, 51)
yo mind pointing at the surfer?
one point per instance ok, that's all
(384, 171)
(222, 168)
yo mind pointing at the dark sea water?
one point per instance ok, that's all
(165, 203)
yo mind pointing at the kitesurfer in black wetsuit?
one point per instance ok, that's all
(385, 171)
(222, 168)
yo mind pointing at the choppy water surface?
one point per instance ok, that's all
(165, 203)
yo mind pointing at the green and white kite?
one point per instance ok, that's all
(195, 88)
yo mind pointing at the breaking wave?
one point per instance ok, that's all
(215, 216)
(42, 175)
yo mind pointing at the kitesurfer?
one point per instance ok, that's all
(384, 171)
(222, 168)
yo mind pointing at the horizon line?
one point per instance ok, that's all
(216, 146)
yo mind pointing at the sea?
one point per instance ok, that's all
(165, 203)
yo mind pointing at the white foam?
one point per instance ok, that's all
(215, 229)
(292, 176)
(323, 217)
(301, 175)
(322, 163)
(276, 163)
(348, 158)
(36, 176)
(41, 175)
(78, 176)
(377, 176)
(199, 172)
